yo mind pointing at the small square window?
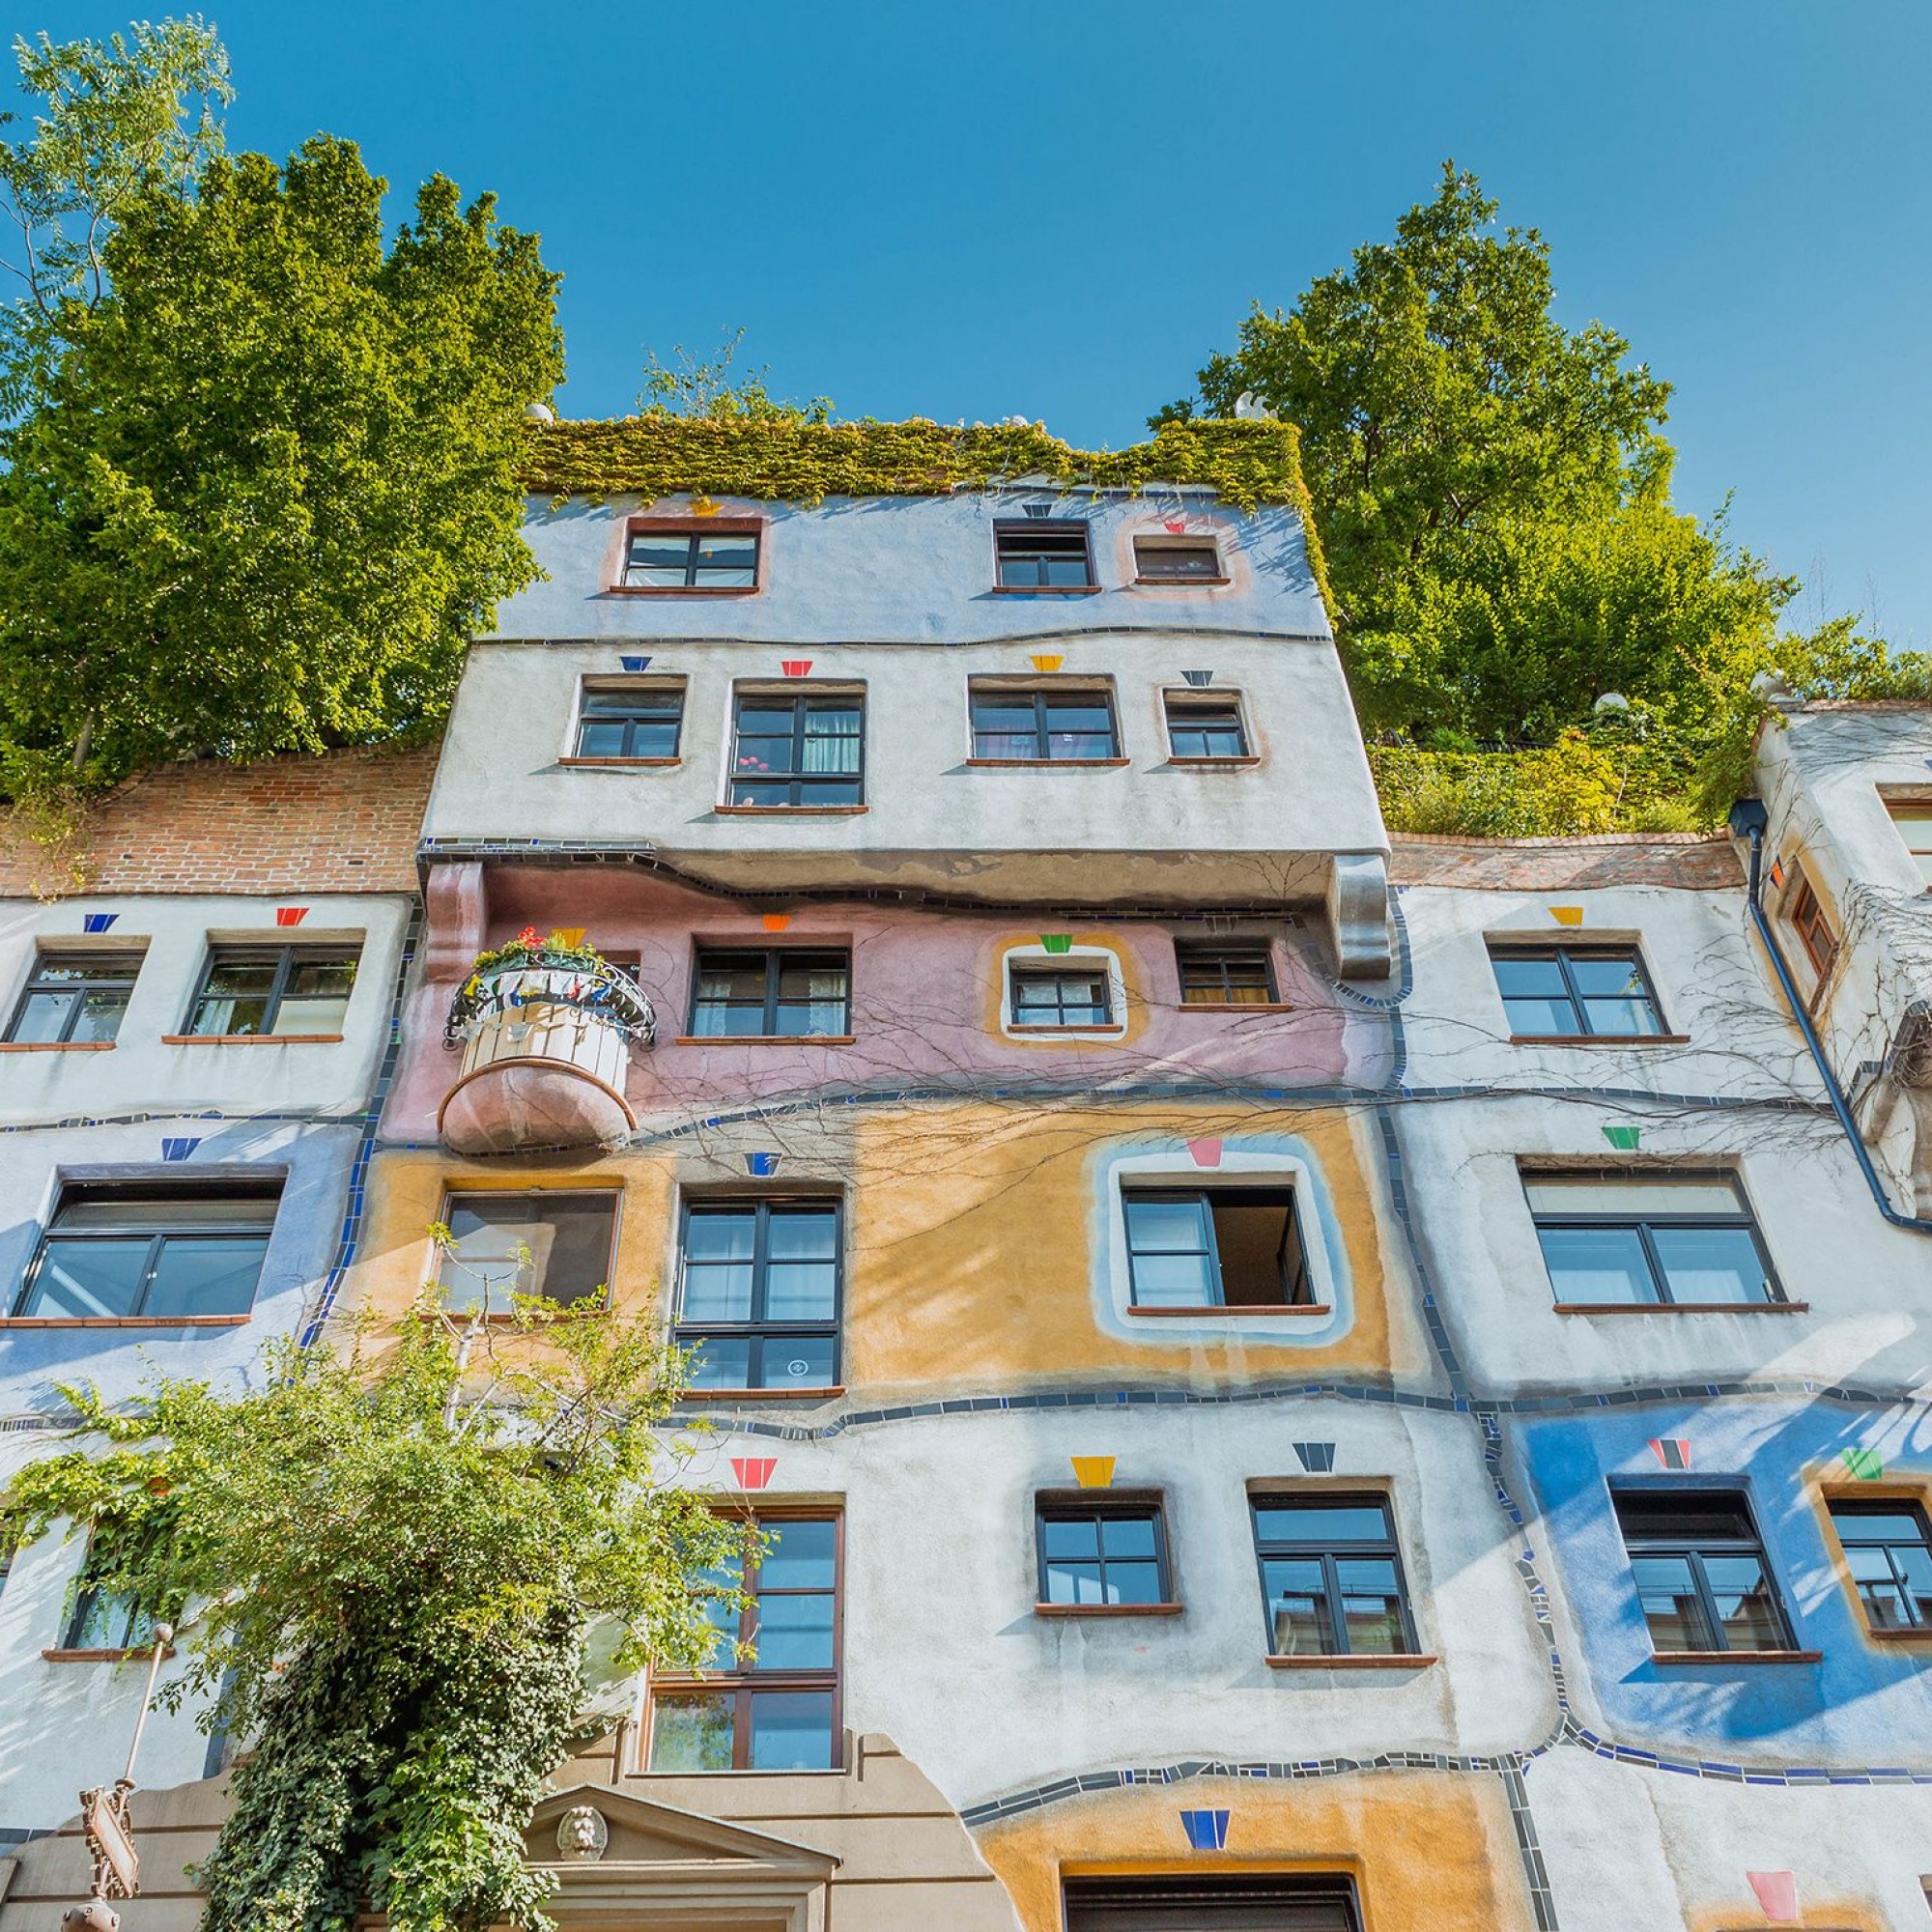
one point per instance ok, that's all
(1230, 973)
(785, 993)
(1177, 560)
(550, 1242)
(701, 557)
(1571, 992)
(629, 720)
(1068, 724)
(1332, 1575)
(1071, 998)
(75, 997)
(799, 751)
(1889, 1551)
(1205, 728)
(1700, 1570)
(1099, 1553)
(272, 990)
(1215, 1247)
(1038, 555)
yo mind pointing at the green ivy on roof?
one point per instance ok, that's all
(1247, 463)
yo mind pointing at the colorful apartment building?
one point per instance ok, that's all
(1292, 1381)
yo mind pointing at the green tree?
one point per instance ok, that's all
(271, 489)
(392, 1574)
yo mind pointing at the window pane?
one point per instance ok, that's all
(720, 1235)
(97, 1277)
(1711, 1264)
(1174, 1281)
(1652, 1195)
(800, 1292)
(1075, 1539)
(1528, 976)
(1318, 1523)
(832, 740)
(316, 996)
(794, 1361)
(1742, 1596)
(723, 1361)
(729, 560)
(801, 1555)
(43, 1016)
(716, 1290)
(1596, 1264)
(1127, 1536)
(516, 1245)
(204, 1276)
(235, 1000)
(1071, 1581)
(1670, 1606)
(794, 1632)
(1166, 1227)
(804, 1233)
(1370, 1603)
(1134, 1583)
(691, 1730)
(107, 1620)
(791, 1730)
(1298, 1611)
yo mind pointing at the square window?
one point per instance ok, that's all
(1201, 728)
(1889, 1551)
(1101, 1554)
(278, 990)
(550, 1243)
(759, 1283)
(702, 556)
(1042, 556)
(783, 993)
(1213, 1902)
(1700, 1570)
(75, 997)
(151, 1252)
(798, 750)
(1177, 560)
(1663, 1237)
(1215, 1247)
(1569, 992)
(629, 720)
(770, 1700)
(1071, 998)
(1236, 973)
(1068, 724)
(1332, 1575)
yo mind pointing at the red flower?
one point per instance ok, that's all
(530, 937)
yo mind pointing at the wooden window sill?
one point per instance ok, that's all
(1236, 764)
(1272, 1309)
(1047, 589)
(55, 1654)
(1051, 764)
(56, 1046)
(1107, 1610)
(1683, 1307)
(1407, 1660)
(1907, 1638)
(683, 590)
(1085, 1032)
(1600, 1039)
(1234, 1007)
(619, 764)
(125, 1321)
(251, 1039)
(791, 811)
(830, 1392)
(1737, 1656)
(765, 1040)
(1180, 583)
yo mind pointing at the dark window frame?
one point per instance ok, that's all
(1192, 955)
(800, 783)
(665, 695)
(1843, 1509)
(741, 1681)
(133, 1621)
(776, 959)
(1042, 697)
(445, 1282)
(1213, 1901)
(136, 1193)
(1328, 1553)
(1032, 971)
(1808, 920)
(1177, 707)
(1645, 1224)
(1693, 1551)
(1297, 1289)
(58, 958)
(759, 1332)
(1079, 1505)
(1147, 545)
(693, 531)
(287, 958)
(1010, 546)
(1564, 958)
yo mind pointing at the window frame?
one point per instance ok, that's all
(799, 782)
(135, 1619)
(743, 1682)
(691, 528)
(1032, 972)
(1176, 705)
(1196, 951)
(776, 958)
(1072, 1505)
(1152, 543)
(1008, 527)
(1919, 805)
(1246, 1902)
(1264, 1495)
(994, 690)
(1805, 911)
(1204, 1193)
(1891, 1502)
(67, 957)
(1692, 1551)
(1774, 1295)
(673, 690)
(1564, 954)
(287, 958)
(759, 1332)
(452, 1196)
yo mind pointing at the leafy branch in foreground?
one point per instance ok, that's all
(390, 1573)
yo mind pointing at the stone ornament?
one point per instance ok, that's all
(583, 1835)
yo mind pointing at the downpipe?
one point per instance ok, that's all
(1749, 819)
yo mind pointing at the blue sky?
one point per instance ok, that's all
(1058, 208)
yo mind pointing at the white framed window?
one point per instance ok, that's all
(1052, 996)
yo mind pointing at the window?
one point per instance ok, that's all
(549, 1244)
(778, 1709)
(75, 997)
(799, 751)
(758, 1293)
(1068, 724)
(1215, 1247)
(1237, 974)
(1567, 991)
(1199, 727)
(1663, 1237)
(1223, 1902)
(689, 559)
(637, 721)
(1889, 1551)
(1065, 999)
(152, 1254)
(1813, 930)
(9, 1546)
(279, 990)
(99, 1618)
(780, 994)
(1331, 1577)
(1177, 560)
(1914, 819)
(1102, 1553)
(1041, 556)
(1700, 1572)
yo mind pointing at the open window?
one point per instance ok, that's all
(552, 1242)
(1215, 1247)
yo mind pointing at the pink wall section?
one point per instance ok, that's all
(925, 996)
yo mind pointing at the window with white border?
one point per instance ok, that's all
(1017, 962)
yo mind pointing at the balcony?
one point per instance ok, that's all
(546, 1034)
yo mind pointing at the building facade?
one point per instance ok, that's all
(1292, 1381)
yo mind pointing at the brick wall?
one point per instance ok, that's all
(348, 821)
(1685, 859)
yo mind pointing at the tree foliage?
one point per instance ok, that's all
(392, 1574)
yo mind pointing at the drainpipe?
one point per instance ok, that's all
(1748, 821)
